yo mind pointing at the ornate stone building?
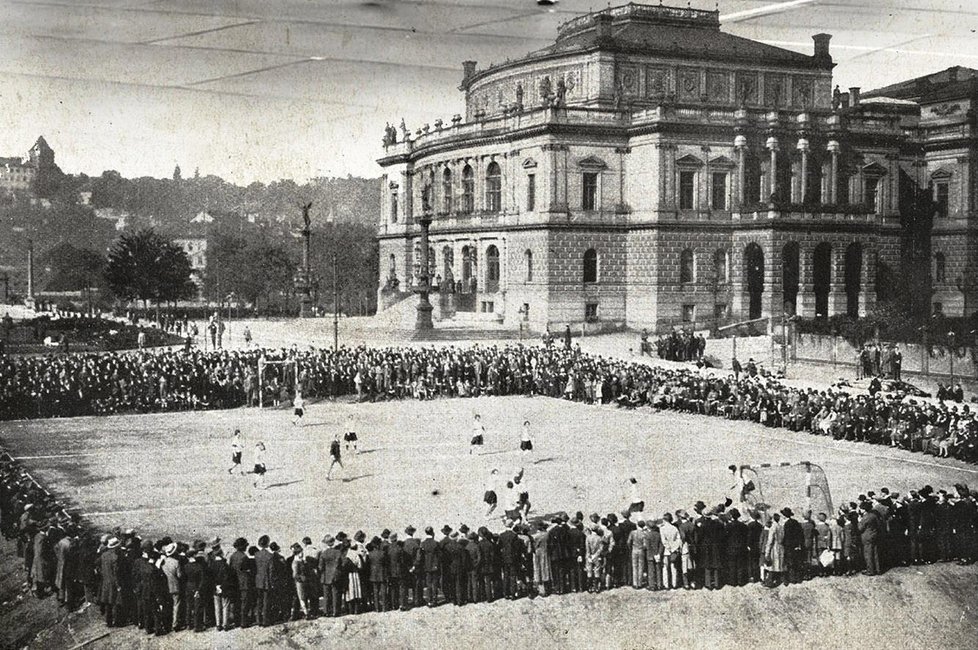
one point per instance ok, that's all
(650, 170)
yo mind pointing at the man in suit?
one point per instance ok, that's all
(447, 549)
(577, 550)
(330, 558)
(396, 583)
(869, 532)
(794, 546)
(242, 563)
(557, 550)
(508, 559)
(413, 577)
(474, 565)
(377, 566)
(430, 563)
(754, 550)
(736, 550)
(488, 566)
(173, 571)
(263, 581)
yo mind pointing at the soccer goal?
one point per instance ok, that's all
(273, 374)
(799, 486)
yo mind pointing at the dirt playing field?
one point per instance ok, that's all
(167, 474)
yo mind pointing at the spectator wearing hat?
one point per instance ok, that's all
(310, 556)
(263, 581)
(509, 556)
(774, 553)
(755, 550)
(446, 576)
(736, 547)
(397, 573)
(458, 561)
(197, 585)
(243, 567)
(379, 574)
(353, 562)
(300, 579)
(429, 560)
(488, 565)
(283, 584)
(794, 547)
(331, 576)
(414, 579)
(869, 533)
(172, 570)
(109, 589)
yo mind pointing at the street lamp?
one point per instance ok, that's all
(950, 338)
(230, 297)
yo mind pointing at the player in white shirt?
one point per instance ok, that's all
(635, 502)
(478, 433)
(526, 444)
(236, 450)
(298, 408)
(260, 464)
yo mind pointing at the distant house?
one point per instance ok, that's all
(17, 174)
(196, 250)
(119, 217)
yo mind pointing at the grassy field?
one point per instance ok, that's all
(167, 473)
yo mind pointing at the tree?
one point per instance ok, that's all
(145, 266)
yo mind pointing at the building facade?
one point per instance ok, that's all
(650, 170)
(17, 175)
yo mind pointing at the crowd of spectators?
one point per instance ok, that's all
(144, 381)
(678, 345)
(166, 585)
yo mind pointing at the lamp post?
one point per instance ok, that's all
(424, 322)
(336, 298)
(950, 338)
(230, 297)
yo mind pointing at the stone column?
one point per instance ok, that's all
(705, 188)
(806, 284)
(837, 282)
(834, 148)
(803, 147)
(740, 146)
(772, 146)
(739, 301)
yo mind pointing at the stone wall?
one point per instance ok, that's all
(828, 349)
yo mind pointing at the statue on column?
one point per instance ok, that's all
(561, 93)
(404, 130)
(836, 98)
(546, 91)
(519, 96)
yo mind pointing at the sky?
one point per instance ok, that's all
(258, 90)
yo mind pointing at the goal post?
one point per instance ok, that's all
(800, 486)
(286, 370)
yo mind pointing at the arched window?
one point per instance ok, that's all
(590, 265)
(940, 267)
(494, 188)
(492, 269)
(687, 266)
(720, 268)
(468, 190)
(446, 190)
(528, 255)
(394, 205)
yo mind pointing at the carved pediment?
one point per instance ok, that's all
(874, 169)
(721, 162)
(942, 174)
(592, 163)
(529, 163)
(689, 160)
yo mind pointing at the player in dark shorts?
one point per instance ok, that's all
(478, 433)
(260, 464)
(334, 452)
(526, 444)
(489, 497)
(350, 437)
(235, 452)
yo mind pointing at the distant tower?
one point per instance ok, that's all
(176, 173)
(41, 155)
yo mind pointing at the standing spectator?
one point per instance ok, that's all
(794, 546)
(243, 566)
(774, 551)
(263, 581)
(869, 532)
(224, 590)
(173, 573)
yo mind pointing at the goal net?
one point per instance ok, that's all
(277, 379)
(799, 486)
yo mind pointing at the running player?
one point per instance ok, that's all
(635, 503)
(260, 464)
(334, 452)
(351, 437)
(298, 408)
(526, 444)
(236, 453)
(478, 433)
(489, 496)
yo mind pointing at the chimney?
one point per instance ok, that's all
(854, 96)
(822, 47)
(468, 69)
(602, 29)
(844, 98)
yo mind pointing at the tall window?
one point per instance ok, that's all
(494, 188)
(529, 265)
(531, 192)
(871, 197)
(687, 266)
(687, 190)
(720, 266)
(590, 191)
(446, 190)
(590, 265)
(940, 267)
(942, 196)
(394, 206)
(468, 190)
(719, 192)
(492, 269)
